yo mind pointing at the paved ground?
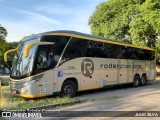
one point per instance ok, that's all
(122, 91)
(125, 98)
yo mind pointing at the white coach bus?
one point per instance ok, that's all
(67, 61)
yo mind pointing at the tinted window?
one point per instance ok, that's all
(95, 49)
(60, 42)
(108, 50)
(118, 51)
(87, 48)
(134, 54)
(76, 48)
(41, 58)
(149, 55)
(152, 55)
(126, 52)
(83, 48)
(48, 55)
(44, 59)
(138, 54)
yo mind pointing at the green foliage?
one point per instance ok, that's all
(137, 19)
(3, 34)
(4, 46)
(8, 46)
(3, 31)
(4, 81)
(12, 102)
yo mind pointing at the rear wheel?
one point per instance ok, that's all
(136, 81)
(143, 80)
(69, 89)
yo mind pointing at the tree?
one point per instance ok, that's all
(8, 46)
(4, 46)
(3, 34)
(139, 20)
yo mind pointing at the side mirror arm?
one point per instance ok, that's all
(29, 46)
(6, 53)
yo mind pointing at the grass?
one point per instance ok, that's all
(12, 102)
(4, 81)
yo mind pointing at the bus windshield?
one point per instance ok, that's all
(40, 58)
(23, 66)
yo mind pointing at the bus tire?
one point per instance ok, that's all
(143, 80)
(68, 88)
(136, 81)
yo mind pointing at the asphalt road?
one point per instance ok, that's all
(123, 98)
(122, 91)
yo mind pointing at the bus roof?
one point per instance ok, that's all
(90, 37)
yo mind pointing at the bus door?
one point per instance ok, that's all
(123, 71)
(43, 65)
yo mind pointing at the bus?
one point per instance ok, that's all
(65, 62)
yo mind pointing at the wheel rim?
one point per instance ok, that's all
(137, 82)
(143, 81)
(68, 89)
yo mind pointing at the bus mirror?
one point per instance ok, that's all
(29, 46)
(6, 53)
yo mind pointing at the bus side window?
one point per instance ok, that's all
(94, 49)
(44, 59)
(41, 59)
(75, 49)
(90, 49)
(108, 50)
(117, 51)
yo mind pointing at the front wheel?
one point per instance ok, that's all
(136, 81)
(68, 89)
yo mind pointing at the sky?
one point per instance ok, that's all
(25, 17)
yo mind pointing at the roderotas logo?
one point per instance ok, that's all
(87, 67)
